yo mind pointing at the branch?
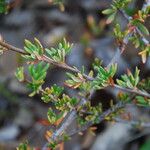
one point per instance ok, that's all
(137, 30)
(119, 50)
(137, 123)
(128, 18)
(72, 115)
(67, 121)
(73, 69)
(128, 90)
(126, 39)
(13, 48)
(102, 117)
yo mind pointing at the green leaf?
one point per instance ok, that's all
(103, 76)
(142, 28)
(34, 50)
(51, 115)
(111, 18)
(23, 146)
(20, 74)
(59, 53)
(52, 94)
(108, 11)
(38, 74)
(39, 46)
(146, 145)
(58, 1)
(141, 101)
(3, 6)
(129, 80)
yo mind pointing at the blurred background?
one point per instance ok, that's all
(82, 23)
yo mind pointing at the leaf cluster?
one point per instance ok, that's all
(33, 49)
(37, 74)
(111, 12)
(129, 80)
(58, 54)
(52, 94)
(142, 101)
(104, 76)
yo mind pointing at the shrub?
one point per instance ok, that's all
(66, 109)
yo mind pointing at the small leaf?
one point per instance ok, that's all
(142, 101)
(22, 146)
(108, 11)
(110, 18)
(142, 28)
(143, 55)
(20, 74)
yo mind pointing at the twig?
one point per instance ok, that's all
(102, 117)
(70, 116)
(135, 91)
(137, 30)
(119, 50)
(120, 104)
(67, 121)
(128, 18)
(13, 48)
(137, 123)
(72, 69)
(65, 66)
(126, 39)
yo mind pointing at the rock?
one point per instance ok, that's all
(3, 108)
(102, 49)
(17, 87)
(58, 16)
(36, 3)
(114, 138)
(105, 50)
(9, 133)
(77, 53)
(94, 4)
(55, 35)
(19, 18)
(24, 118)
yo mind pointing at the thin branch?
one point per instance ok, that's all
(135, 91)
(65, 66)
(67, 121)
(106, 113)
(75, 70)
(128, 18)
(119, 120)
(72, 69)
(126, 39)
(137, 123)
(119, 50)
(137, 30)
(101, 118)
(12, 48)
(72, 115)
